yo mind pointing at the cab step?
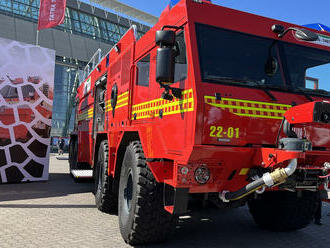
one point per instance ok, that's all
(79, 174)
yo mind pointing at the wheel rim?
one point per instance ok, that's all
(128, 192)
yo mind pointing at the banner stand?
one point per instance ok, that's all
(37, 38)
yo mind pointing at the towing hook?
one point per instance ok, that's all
(276, 177)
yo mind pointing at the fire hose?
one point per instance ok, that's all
(276, 177)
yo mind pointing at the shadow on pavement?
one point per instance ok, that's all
(236, 228)
(59, 184)
(45, 206)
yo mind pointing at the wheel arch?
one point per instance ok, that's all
(126, 138)
(116, 154)
(99, 138)
(160, 167)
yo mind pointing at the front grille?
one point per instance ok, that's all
(303, 179)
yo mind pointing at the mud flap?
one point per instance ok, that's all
(175, 199)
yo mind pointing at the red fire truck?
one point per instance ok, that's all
(210, 102)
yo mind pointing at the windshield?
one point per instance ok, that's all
(233, 57)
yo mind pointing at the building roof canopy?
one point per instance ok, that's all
(127, 10)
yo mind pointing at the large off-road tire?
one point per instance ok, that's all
(142, 218)
(106, 200)
(283, 210)
(73, 154)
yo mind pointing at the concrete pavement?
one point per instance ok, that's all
(61, 213)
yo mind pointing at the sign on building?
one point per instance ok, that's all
(26, 98)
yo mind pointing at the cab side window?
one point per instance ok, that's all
(143, 66)
(181, 59)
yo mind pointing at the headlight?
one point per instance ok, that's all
(202, 175)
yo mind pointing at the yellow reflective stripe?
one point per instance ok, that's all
(122, 100)
(247, 108)
(184, 93)
(261, 116)
(150, 102)
(124, 104)
(172, 104)
(109, 108)
(121, 97)
(151, 108)
(247, 101)
(82, 117)
(169, 105)
(123, 94)
(267, 110)
(86, 114)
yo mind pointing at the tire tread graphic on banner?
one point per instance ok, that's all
(26, 98)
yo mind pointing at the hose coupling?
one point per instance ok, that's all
(279, 176)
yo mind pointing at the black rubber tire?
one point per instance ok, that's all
(144, 220)
(73, 160)
(73, 154)
(105, 199)
(283, 210)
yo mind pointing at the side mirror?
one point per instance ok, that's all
(165, 65)
(165, 62)
(306, 35)
(300, 33)
(165, 38)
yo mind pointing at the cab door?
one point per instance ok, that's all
(141, 87)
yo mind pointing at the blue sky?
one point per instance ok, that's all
(295, 11)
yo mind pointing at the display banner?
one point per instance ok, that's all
(26, 99)
(51, 13)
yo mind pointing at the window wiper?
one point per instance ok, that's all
(226, 79)
(278, 87)
(290, 89)
(315, 92)
(303, 93)
(265, 88)
(244, 82)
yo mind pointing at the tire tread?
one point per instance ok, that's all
(151, 221)
(107, 202)
(283, 211)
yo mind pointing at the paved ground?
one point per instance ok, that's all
(61, 213)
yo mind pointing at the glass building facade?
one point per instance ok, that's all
(76, 22)
(62, 92)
